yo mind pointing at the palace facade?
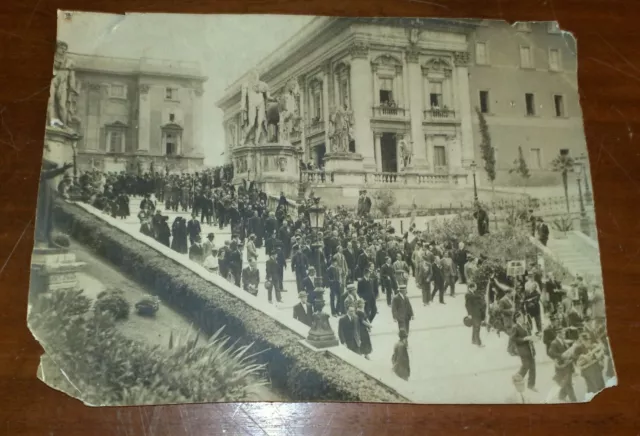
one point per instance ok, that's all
(422, 81)
(132, 112)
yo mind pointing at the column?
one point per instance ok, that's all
(378, 151)
(429, 151)
(420, 161)
(362, 100)
(461, 60)
(196, 148)
(144, 118)
(399, 88)
(325, 106)
(303, 118)
(446, 91)
(405, 82)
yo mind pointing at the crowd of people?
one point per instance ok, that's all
(362, 264)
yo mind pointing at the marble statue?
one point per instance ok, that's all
(63, 93)
(288, 112)
(253, 106)
(341, 129)
(406, 152)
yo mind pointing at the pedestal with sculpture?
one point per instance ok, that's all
(342, 165)
(265, 154)
(52, 266)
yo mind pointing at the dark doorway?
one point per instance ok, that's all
(321, 150)
(388, 153)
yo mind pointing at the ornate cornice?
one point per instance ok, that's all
(359, 50)
(461, 58)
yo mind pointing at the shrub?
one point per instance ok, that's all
(60, 239)
(148, 306)
(563, 224)
(107, 368)
(384, 201)
(112, 301)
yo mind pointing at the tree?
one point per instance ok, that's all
(385, 199)
(486, 149)
(520, 167)
(563, 163)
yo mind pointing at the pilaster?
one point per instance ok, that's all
(377, 140)
(362, 101)
(144, 118)
(461, 60)
(420, 162)
(326, 80)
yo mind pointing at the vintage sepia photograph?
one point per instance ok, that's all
(293, 208)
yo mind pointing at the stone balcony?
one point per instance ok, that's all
(389, 112)
(436, 115)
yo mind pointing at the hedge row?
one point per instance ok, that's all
(294, 369)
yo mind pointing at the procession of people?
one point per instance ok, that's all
(360, 264)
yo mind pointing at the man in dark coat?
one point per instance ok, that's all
(388, 279)
(302, 311)
(563, 366)
(256, 227)
(308, 286)
(482, 217)
(460, 259)
(193, 228)
(270, 223)
(299, 265)
(251, 279)
(366, 292)
(334, 282)
(401, 309)
(523, 340)
(543, 231)
(476, 309)
(349, 330)
(438, 280)
(273, 275)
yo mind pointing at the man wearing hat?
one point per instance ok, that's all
(476, 309)
(401, 309)
(273, 276)
(523, 340)
(299, 265)
(308, 285)
(302, 311)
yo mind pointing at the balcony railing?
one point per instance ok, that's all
(314, 176)
(389, 111)
(439, 114)
(315, 127)
(382, 178)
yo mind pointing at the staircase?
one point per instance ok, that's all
(578, 253)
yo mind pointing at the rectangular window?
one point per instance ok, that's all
(386, 92)
(564, 152)
(536, 158)
(115, 141)
(530, 102)
(558, 103)
(484, 102)
(171, 94)
(117, 91)
(523, 27)
(481, 53)
(172, 118)
(440, 156)
(435, 97)
(554, 59)
(525, 57)
(317, 105)
(171, 144)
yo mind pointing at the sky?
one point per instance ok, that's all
(226, 46)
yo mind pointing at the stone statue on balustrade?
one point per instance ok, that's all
(406, 152)
(253, 108)
(288, 112)
(63, 92)
(341, 129)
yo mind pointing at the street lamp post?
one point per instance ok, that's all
(587, 191)
(321, 334)
(475, 187)
(584, 222)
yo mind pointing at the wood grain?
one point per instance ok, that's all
(609, 76)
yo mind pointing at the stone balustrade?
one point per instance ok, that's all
(387, 178)
(436, 114)
(389, 111)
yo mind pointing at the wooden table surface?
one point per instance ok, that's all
(609, 76)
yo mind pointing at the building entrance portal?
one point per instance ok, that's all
(389, 153)
(321, 150)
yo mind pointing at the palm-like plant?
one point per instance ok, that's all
(563, 163)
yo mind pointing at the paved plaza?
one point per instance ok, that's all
(445, 366)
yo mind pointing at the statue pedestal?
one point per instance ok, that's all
(274, 167)
(53, 269)
(321, 334)
(345, 168)
(59, 142)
